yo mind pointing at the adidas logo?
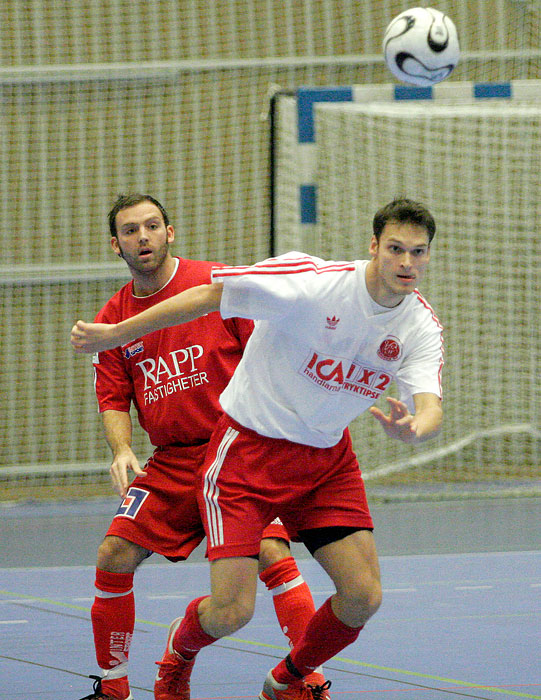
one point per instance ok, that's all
(332, 323)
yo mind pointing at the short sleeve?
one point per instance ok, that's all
(112, 383)
(421, 371)
(269, 289)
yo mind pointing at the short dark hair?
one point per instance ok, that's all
(123, 201)
(404, 211)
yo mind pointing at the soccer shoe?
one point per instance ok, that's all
(173, 677)
(319, 692)
(98, 694)
(298, 690)
(317, 680)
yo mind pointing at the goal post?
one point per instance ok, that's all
(293, 139)
(472, 154)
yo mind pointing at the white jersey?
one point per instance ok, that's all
(320, 354)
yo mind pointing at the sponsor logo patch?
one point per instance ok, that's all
(336, 374)
(131, 505)
(133, 350)
(175, 372)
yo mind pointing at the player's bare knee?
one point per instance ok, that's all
(370, 594)
(118, 555)
(373, 598)
(244, 613)
(232, 616)
(360, 601)
(271, 551)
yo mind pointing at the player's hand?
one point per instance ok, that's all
(400, 424)
(93, 337)
(122, 463)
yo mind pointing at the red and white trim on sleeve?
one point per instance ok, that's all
(436, 320)
(279, 266)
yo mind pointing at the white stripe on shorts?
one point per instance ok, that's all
(211, 490)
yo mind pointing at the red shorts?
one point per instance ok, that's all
(160, 512)
(249, 479)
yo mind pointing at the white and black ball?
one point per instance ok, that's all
(421, 46)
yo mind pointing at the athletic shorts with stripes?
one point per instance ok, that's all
(249, 479)
(160, 511)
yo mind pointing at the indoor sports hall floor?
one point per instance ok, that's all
(460, 617)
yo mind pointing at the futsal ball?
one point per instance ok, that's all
(421, 46)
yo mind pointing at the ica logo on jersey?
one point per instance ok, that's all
(175, 372)
(337, 374)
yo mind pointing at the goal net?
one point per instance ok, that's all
(476, 165)
(166, 97)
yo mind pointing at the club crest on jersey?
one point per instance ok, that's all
(332, 323)
(390, 349)
(133, 350)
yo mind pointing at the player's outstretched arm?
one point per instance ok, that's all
(402, 425)
(183, 307)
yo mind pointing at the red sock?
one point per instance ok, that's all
(190, 636)
(325, 636)
(291, 596)
(113, 620)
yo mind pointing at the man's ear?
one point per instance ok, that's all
(170, 234)
(115, 246)
(373, 247)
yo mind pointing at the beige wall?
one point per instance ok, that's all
(38, 32)
(193, 137)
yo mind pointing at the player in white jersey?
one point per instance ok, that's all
(329, 338)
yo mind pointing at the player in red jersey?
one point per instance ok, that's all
(174, 379)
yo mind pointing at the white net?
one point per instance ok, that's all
(107, 96)
(477, 169)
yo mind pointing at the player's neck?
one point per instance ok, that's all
(145, 284)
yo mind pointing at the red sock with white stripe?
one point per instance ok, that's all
(324, 637)
(113, 621)
(190, 636)
(291, 596)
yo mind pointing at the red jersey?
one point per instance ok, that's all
(175, 376)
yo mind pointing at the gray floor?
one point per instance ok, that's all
(477, 581)
(451, 626)
(68, 533)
